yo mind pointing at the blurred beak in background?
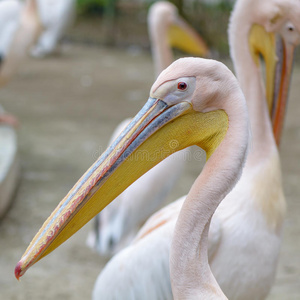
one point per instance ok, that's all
(277, 54)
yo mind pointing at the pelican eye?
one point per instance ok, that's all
(182, 86)
(290, 28)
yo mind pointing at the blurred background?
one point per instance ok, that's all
(124, 23)
(63, 100)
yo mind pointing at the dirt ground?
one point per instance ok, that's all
(68, 106)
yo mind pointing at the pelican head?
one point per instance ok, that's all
(191, 103)
(168, 30)
(273, 31)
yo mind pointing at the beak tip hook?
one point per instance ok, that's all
(18, 271)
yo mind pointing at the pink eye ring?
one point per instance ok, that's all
(182, 86)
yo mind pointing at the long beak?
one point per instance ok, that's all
(285, 54)
(278, 57)
(183, 37)
(157, 131)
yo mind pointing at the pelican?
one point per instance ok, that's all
(118, 223)
(56, 17)
(166, 30)
(245, 232)
(196, 101)
(19, 29)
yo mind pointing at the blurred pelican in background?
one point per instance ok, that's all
(245, 232)
(19, 28)
(168, 30)
(118, 223)
(197, 102)
(56, 17)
